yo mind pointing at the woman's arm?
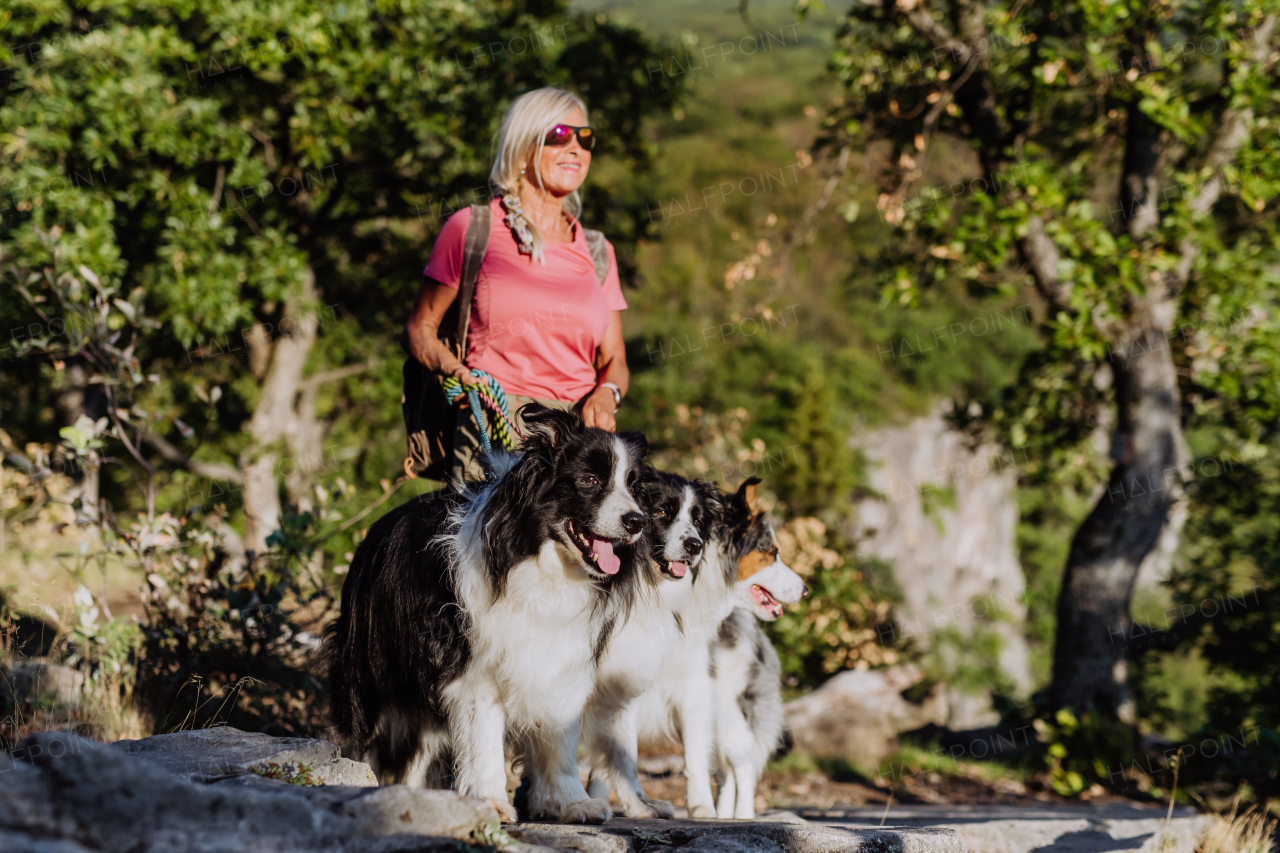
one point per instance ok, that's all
(611, 366)
(420, 338)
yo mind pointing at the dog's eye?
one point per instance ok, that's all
(590, 480)
(662, 513)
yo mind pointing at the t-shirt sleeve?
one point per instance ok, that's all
(445, 263)
(613, 284)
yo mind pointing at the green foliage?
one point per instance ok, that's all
(231, 642)
(207, 159)
(1065, 78)
(294, 774)
(1226, 592)
(101, 648)
(1080, 751)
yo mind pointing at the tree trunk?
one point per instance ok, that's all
(78, 397)
(1090, 668)
(261, 462)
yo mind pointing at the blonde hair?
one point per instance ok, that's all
(524, 130)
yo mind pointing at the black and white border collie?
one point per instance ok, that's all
(691, 703)
(682, 513)
(472, 619)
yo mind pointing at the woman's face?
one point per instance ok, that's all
(564, 167)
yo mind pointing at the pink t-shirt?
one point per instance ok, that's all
(534, 328)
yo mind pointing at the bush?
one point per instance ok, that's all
(837, 626)
(224, 640)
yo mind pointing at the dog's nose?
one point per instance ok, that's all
(804, 590)
(633, 522)
(693, 546)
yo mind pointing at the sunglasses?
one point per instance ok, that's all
(562, 133)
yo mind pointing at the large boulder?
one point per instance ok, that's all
(858, 715)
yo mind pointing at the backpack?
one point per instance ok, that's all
(429, 420)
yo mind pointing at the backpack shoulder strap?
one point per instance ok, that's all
(599, 252)
(473, 250)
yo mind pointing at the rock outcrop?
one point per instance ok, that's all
(945, 520)
(857, 715)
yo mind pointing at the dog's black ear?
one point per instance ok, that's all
(549, 427)
(713, 499)
(638, 441)
(648, 487)
(743, 506)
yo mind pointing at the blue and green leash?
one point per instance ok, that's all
(488, 394)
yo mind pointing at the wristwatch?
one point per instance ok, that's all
(617, 394)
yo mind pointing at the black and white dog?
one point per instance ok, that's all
(472, 619)
(719, 707)
(682, 514)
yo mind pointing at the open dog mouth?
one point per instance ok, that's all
(765, 601)
(595, 550)
(675, 568)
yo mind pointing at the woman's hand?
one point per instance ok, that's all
(599, 409)
(462, 373)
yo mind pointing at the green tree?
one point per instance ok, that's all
(257, 175)
(1227, 595)
(1122, 158)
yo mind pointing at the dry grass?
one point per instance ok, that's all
(58, 698)
(1251, 832)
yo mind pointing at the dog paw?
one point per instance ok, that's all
(702, 812)
(586, 811)
(661, 809)
(506, 811)
(646, 808)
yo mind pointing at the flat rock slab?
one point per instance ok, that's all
(630, 835)
(1041, 829)
(62, 793)
(208, 755)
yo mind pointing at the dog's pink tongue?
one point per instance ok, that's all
(608, 561)
(678, 568)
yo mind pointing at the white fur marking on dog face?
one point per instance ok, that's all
(681, 529)
(778, 581)
(618, 502)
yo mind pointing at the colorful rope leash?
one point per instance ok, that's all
(489, 394)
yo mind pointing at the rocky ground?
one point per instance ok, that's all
(807, 790)
(226, 790)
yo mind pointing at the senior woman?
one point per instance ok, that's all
(543, 323)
